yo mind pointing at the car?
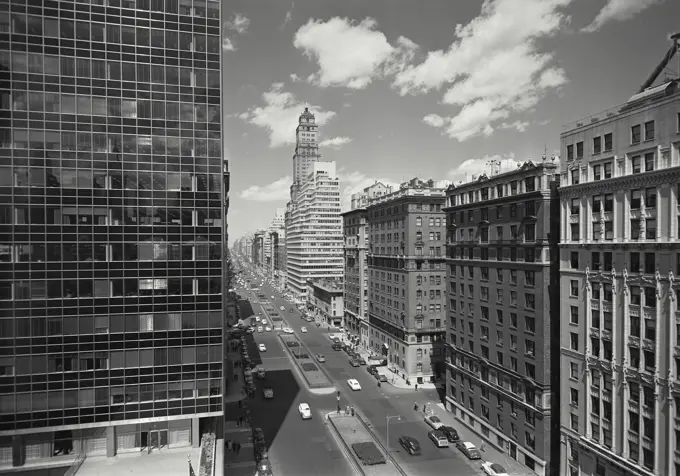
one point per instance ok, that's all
(320, 358)
(410, 444)
(382, 378)
(354, 384)
(257, 318)
(336, 346)
(260, 329)
(303, 329)
(272, 297)
(439, 438)
(268, 329)
(354, 363)
(264, 322)
(282, 308)
(433, 421)
(451, 433)
(268, 392)
(262, 347)
(305, 411)
(469, 450)
(493, 469)
(362, 361)
(288, 330)
(372, 370)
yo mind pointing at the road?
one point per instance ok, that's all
(296, 446)
(375, 403)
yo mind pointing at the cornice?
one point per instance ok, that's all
(625, 183)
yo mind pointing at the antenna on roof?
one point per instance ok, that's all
(545, 152)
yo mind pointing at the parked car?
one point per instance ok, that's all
(262, 348)
(260, 329)
(268, 329)
(372, 370)
(494, 469)
(282, 308)
(268, 392)
(303, 329)
(354, 363)
(362, 361)
(438, 438)
(382, 378)
(469, 450)
(434, 421)
(410, 444)
(305, 411)
(320, 357)
(451, 433)
(337, 346)
(354, 384)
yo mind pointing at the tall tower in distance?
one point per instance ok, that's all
(306, 147)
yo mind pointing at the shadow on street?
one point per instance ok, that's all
(269, 414)
(245, 308)
(43, 472)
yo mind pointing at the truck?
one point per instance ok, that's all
(268, 392)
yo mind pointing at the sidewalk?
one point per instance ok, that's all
(393, 378)
(491, 452)
(242, 464)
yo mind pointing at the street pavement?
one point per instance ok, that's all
(376, 403)
(296, 446)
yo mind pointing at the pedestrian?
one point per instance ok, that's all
(235, 377)
(240, 404)
(416, 386)
(228, 445)
(352, 410)
(338, 410)
(415, 406)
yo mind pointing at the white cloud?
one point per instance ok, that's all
(294, 77)
(619, 10)
(521, 126)
(350, 54)
(434, 120)
(493, 69)
(238, 23)
(227, 44)
(279, 116)
(471, 167)
(289, 16)
(353, 182)
(335, 142)
(275, 191)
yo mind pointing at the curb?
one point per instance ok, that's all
(382, 447)
(349, 456)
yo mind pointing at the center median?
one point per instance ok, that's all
(314, 375)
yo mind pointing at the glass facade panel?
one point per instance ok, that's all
(111, 204)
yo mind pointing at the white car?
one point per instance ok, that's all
(354, 384)
(305, 411)
(432, 420)
(272, 297)
(264, 322)
(288, 330)
(257, 318)
(262, 347)
(303, 330)
(282, 308)
(268, 329)
(259, 329)
(494, 469)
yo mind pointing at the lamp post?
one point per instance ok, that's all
(387, 419)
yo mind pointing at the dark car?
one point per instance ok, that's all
(382, 378)
(410, 444)
(451, 433)
(337, 347)
(372, 370)
(354, 363)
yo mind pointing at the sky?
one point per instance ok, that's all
(420, 88)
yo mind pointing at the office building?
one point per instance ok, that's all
(325, 301)
(355, 279)
(407, 279)
(313, 225)
(112, 221)
(503, 311)
(620, 256)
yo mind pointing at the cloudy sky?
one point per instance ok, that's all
(427, 88)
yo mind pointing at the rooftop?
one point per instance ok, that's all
(635, 102)
(503, 176)
(327, 284)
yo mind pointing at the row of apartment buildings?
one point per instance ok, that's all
(544, 296)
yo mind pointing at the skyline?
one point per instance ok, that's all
(414, 89)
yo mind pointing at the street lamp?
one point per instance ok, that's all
(387, 419)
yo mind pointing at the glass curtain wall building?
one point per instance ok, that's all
(111, 226)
